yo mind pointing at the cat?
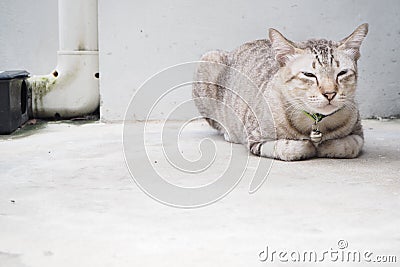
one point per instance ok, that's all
(298, 102)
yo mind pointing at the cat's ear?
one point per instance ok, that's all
(351, 44)
(284, 49)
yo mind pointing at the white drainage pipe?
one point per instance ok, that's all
(72, 89)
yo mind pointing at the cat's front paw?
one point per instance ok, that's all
(287, 150)
(347, 147)
(290, 150)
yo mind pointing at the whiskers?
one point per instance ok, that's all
(313, 99)
(347, 101)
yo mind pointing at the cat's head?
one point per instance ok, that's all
(319, 76)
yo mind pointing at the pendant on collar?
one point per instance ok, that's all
(315, 135)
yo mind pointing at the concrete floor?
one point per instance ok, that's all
(67, 199)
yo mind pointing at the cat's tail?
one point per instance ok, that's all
(205, 87)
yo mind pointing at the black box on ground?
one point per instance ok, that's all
(13, 100)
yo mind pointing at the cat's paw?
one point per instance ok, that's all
(347, 147)
(290, 150)
(287, 150)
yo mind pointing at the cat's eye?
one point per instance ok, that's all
(343, 72)
(309, 74)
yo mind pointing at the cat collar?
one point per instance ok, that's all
(317, 117)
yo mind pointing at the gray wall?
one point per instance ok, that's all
(140, 38)
(28, 35)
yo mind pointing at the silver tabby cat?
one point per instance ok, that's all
(298, 102)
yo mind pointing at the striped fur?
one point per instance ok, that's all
(257, 94)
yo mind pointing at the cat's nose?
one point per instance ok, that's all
(329, 95)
